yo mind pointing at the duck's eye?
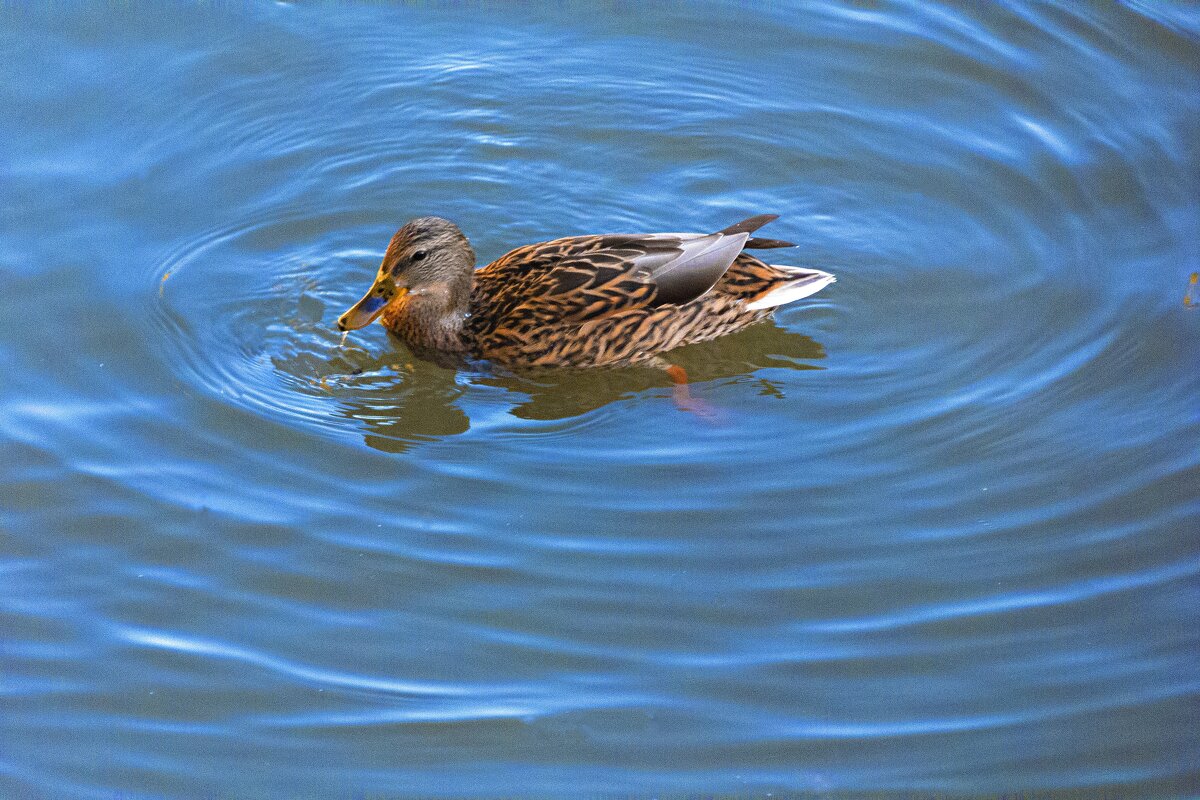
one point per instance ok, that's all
(417, 256)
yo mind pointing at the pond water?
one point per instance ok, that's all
(940, 535)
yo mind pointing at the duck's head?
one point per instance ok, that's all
(429, 257)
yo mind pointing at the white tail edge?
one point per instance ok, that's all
(807, 282)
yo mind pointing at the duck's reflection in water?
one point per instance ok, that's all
(423, 404)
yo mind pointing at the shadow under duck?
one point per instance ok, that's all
(583, 301)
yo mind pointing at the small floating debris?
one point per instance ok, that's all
(1190, 300)
(162, 283)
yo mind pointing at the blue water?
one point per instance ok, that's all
(939, 536)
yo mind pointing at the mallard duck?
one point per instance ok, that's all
(583, 301)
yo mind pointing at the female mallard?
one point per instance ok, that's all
(583, 301)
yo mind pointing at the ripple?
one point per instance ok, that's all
(174, 642)
(1016, 601)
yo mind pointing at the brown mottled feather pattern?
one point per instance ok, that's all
(542, 305)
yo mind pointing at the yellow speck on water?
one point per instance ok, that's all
(163, 281)
(1189, 299)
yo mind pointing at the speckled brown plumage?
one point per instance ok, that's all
(581, 301)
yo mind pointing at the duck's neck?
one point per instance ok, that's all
(430, 319)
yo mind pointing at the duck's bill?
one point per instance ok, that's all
(365, 311)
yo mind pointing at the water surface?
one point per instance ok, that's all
(940, 537)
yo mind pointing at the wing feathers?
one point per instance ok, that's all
(698, 268)
(749, 225)
(757, 243)
(586, 277)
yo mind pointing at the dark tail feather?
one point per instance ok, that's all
(766, 244)
(749, 225)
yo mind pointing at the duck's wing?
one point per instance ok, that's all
(585, 277)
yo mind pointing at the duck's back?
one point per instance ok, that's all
(622, 298)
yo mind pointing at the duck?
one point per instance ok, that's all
(602, 300)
